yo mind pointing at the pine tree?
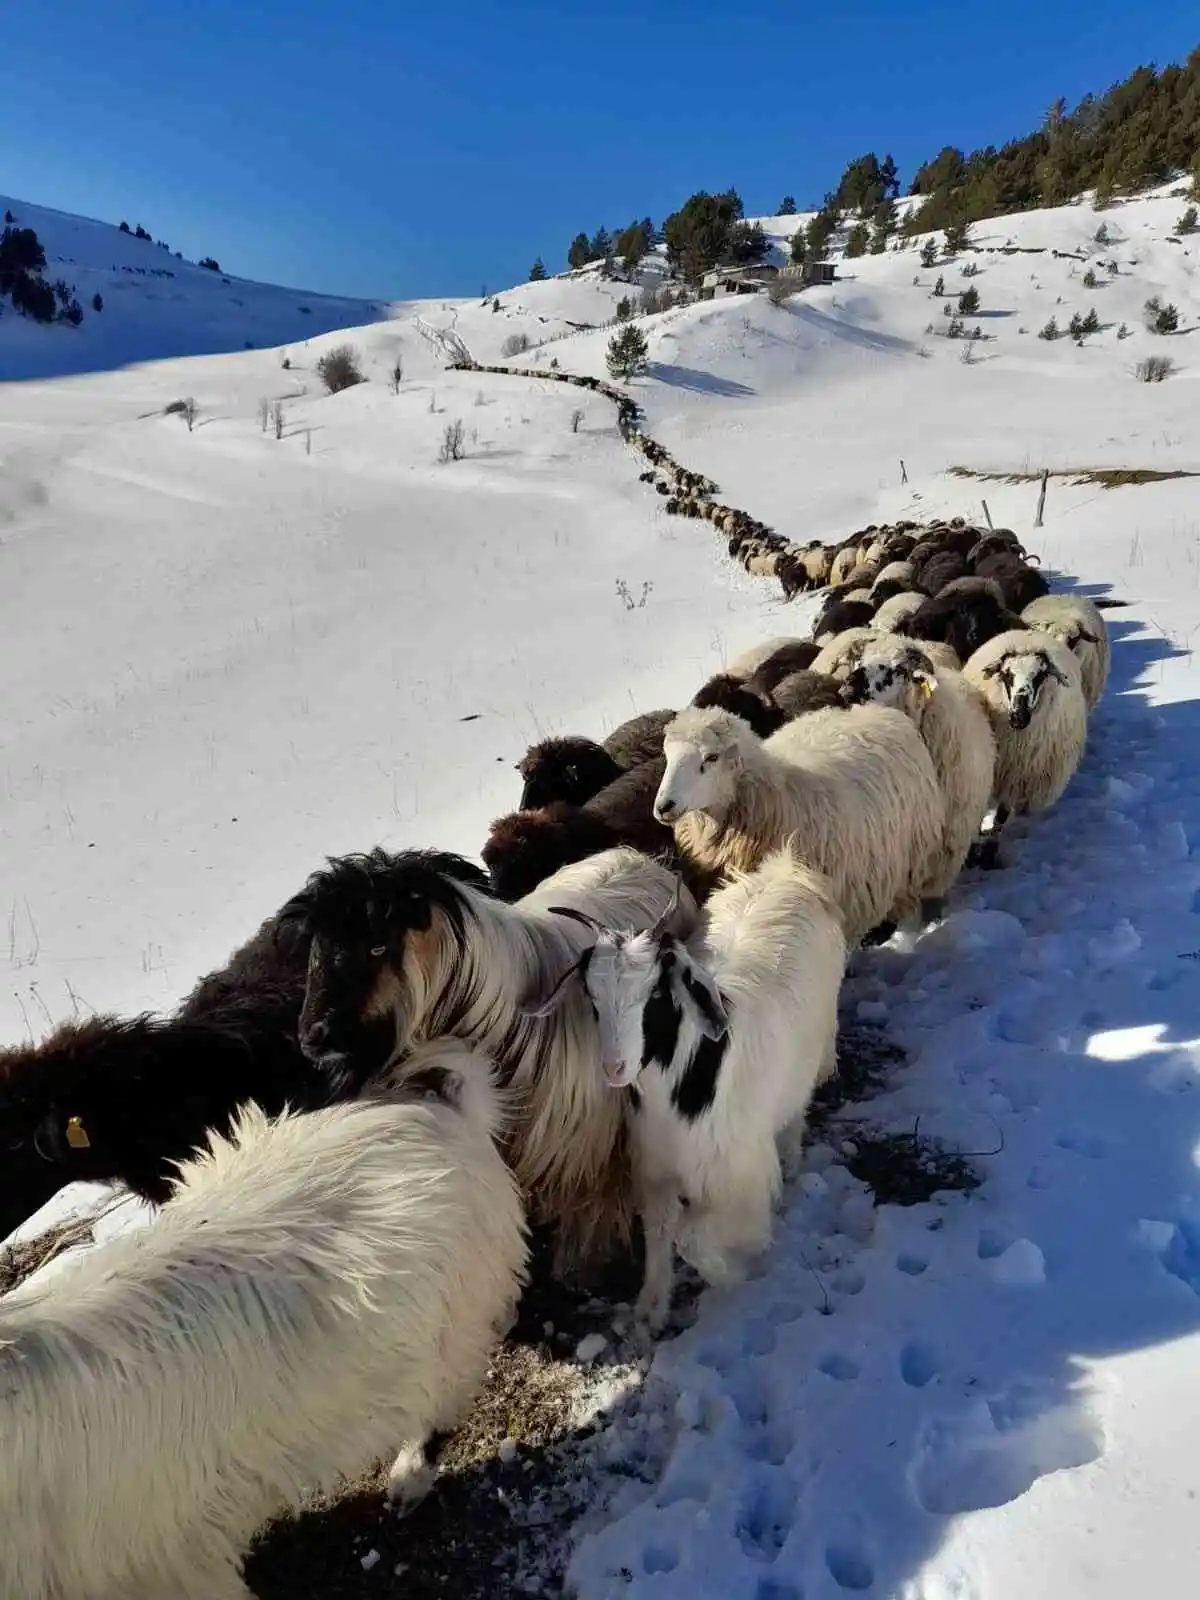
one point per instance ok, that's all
(97, 301)
(1050, 331)
(628, 354)
(624, 309)
(580, 252)
(1075, 328)
(633, 243)
(856, 244)
(799, 247)
(820, 230)
(957, 237)
(601, 245)
(939, 287)
(968, 302)
(884, 226)
(537, 271)
(929, 252)
(787, 206)
(1089, 279)
(1101, 234)
(1091, 323)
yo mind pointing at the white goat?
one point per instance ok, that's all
(1073, 619)
(856, 787)
(320, 1289)
(725, 1037)
(469, 966)
(950, 715)
(1033, 690)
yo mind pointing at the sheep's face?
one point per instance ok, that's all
(641, 987)
(1023, 679)
(701, 775)
(888, 681)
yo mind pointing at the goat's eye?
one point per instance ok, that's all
(708, 761)
(379, 950)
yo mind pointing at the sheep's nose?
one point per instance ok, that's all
(664, 810)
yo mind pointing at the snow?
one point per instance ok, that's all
(229, 656)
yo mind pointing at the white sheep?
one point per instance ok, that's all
(1073, 619)
(950, 715)
(748, 663)
(1033, 689)
(840, 655)
(896, 609)
(856, 787)
(322, 1288)
(895, 572)
(720, 1041)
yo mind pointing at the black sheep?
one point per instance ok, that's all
(843, 614)
(121, 1100)
(963, 621)
(569, 769)
(1021, 585)
(736, 696)
(794, 656)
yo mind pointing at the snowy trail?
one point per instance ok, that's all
(831, 1425)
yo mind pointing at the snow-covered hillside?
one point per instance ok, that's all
(228, 655)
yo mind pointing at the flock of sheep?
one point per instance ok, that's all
(352, 1127)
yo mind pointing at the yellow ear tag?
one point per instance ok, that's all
(927, 688)
(77, 1135)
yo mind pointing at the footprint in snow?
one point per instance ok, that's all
(765, 1519)
(849, 1567)
(660, 1557)
(777, 1589)
(912, 1264)
(992, 1452)
(842, 1368)
(920, 1363)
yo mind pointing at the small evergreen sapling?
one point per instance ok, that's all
(628, 354)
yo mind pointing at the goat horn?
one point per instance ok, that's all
(544, 1007)
(662, 922)
(576, 916)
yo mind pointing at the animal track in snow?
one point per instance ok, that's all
(911, 1264)
(1082, 1144)
(759, 1337)
(849, 1567)
(660, 1557)
(773, 1442)
(994, 1451)
(920, 1363)
(777, 1589)
(848, 1281)
(765, 1519)
(841, 1367)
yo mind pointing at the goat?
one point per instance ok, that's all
(414, 946)
(856, 787)
(720, 1042)
(321, 1288)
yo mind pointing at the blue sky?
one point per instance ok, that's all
(391, 149)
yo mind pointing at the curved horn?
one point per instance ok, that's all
(1090, 638)
(576, 916)
(662, 922)
(543, 1008)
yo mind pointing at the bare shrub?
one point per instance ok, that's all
(452, 447)
(182, 408)
(515, 345)
(277, 418)
(1154, 369)
(339, 368)
(396, 375)
(264, 413)
(576, 419)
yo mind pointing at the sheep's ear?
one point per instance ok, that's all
(706, 999)
(925, 681)
(1088, 638)
(990, 672)
(1053, 671)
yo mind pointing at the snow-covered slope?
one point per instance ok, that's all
(228, 655)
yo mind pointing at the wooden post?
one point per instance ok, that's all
(903, 471)
(988, 515)
(1041, 505)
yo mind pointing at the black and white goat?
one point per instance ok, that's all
(720, 1041)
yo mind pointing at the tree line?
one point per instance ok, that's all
(1138, 133)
